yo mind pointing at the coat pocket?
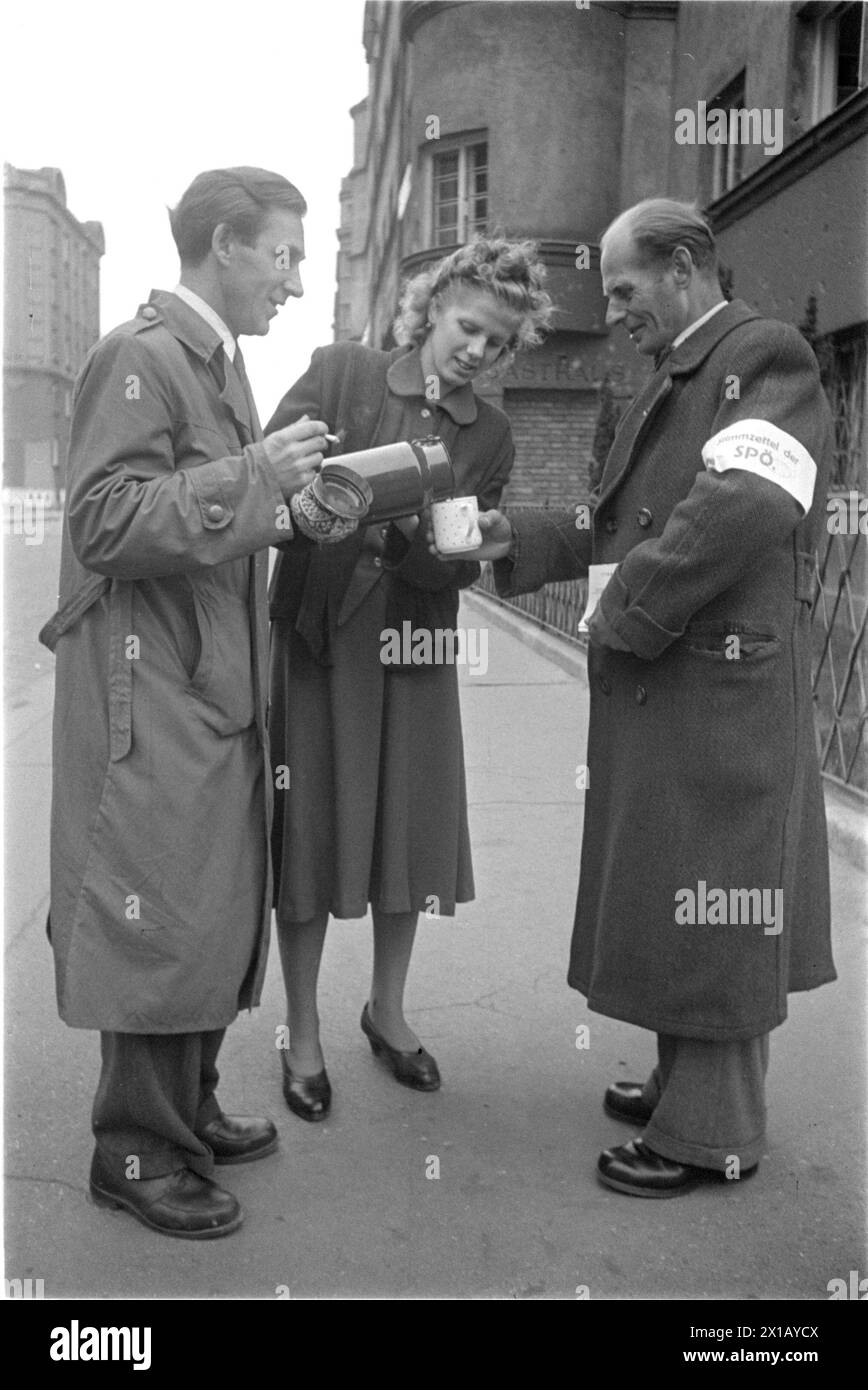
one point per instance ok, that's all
(201, 650)
(222, 681)
(719, 640)
(122, 653)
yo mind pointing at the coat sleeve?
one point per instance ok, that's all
(728, 519)
(134, 511)
(413, 562)
(547, 547)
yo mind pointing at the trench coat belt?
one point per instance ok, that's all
(120, 661)
(69, 613)
(805, 576)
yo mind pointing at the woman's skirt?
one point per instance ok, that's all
(370, 800)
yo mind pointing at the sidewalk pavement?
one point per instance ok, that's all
(350, 1208)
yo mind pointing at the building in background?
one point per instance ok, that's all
(545, 120)
(51, 319)
(536, 119)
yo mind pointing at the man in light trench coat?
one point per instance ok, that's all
(160, 892)
(704, 892)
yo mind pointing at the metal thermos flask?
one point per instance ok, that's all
(386, 482)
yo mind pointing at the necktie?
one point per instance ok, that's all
(241, 372)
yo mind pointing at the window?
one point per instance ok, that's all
(727, 161)
(837, 39)
(850, 67)
(459, 193)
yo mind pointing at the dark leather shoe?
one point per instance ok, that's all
(635, 1169)
(179, 1204)
(415, 1069)
(239, 1138)
(307, 1096)
(640, 1172)
(623, 1101)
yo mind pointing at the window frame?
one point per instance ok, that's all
(824, 21)
(460, 145)
(726, 162)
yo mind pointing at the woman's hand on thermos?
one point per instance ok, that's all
(296, 453)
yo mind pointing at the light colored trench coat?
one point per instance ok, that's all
(160, 889)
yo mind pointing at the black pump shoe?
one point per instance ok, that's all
(309, 1097)
(415, 1069)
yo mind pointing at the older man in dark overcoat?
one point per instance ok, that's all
(160, 887)
(704, 892)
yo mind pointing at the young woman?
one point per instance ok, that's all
(375, 812)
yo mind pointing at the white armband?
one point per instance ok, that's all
(759, 447)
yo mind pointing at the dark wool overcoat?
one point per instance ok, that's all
(375, 811)
(702, 763)
(160, 893)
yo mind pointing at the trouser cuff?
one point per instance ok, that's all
(718, 1157)
(134, 1161)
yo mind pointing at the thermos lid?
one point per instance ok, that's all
(349, 498)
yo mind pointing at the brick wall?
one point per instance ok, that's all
(553, 432)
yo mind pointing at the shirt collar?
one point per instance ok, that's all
(697, 324)
(204, 310)
(405, 378)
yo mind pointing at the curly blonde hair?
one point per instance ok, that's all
(510, 271)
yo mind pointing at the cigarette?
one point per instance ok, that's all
(333, 438)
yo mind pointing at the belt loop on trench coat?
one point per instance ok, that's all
(120, 669)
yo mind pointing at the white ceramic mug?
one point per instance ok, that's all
(456, 525)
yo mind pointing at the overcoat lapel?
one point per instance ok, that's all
(629, 432)
(235, 401)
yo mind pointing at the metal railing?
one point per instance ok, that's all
(840, 608)
(840, 617)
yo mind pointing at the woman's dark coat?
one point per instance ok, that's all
(375, 810)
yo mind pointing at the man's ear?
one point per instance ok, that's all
(682, 265)
(223, 242)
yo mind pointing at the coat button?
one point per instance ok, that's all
(215, 512)
(425, 413)
(605, 685)
(377, 561)
(641, 694)
(384, 532)
(611, 525)
(149, 312)
(644, 517)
